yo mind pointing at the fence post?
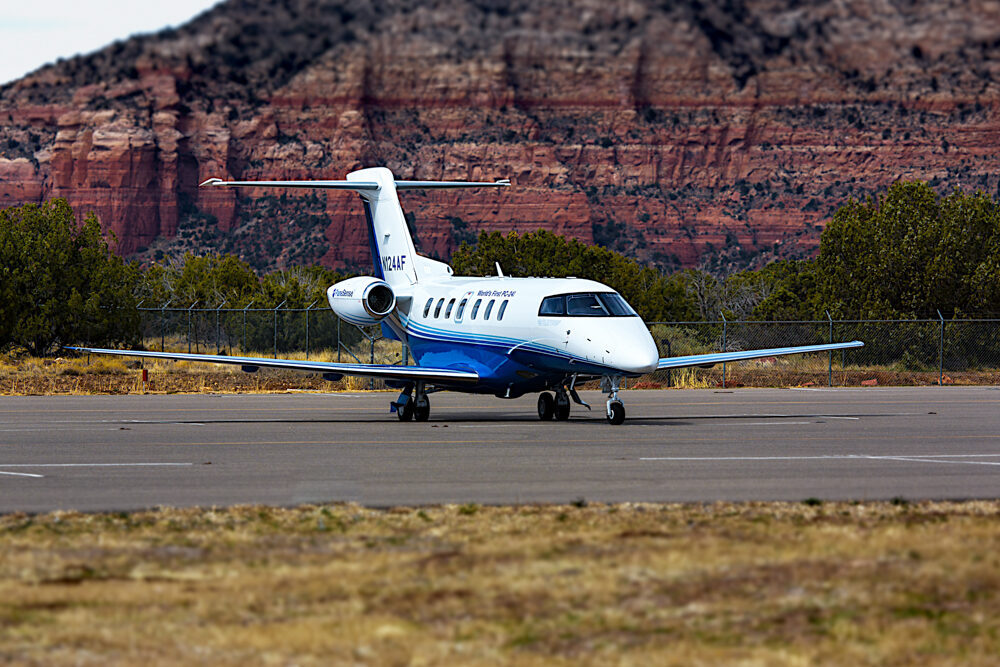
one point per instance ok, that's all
(371, 382)
(829, 362)
(189, 324)
(941, 350)
(243, 351)
(218, 336)
(163, 323)
(276, 327)
(724, 326)
(670, 377)
(308, 308)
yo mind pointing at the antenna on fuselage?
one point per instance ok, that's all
(499, 270)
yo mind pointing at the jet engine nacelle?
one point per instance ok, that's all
(363, 300)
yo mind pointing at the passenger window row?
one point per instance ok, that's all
(461, 308)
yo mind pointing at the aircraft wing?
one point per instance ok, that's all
(251, 364)
(720, 357)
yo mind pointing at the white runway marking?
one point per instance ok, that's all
(74, 429)
(772, 423)
(88, 465)
(19, 474)
(910, 458)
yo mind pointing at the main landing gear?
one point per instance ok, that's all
(549, 407)
(407, 407)
(557, 406)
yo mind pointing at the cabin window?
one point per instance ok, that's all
(461, 308)
(489, 307)
(503, 307)
(475, 308)
(586, 304)
(427, 308)
(437, 309)
(553, 305)
(447, 312)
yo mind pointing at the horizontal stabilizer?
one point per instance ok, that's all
(355, 185)
(436, 185)
(725, 357)
(404, 373)
(322, 185)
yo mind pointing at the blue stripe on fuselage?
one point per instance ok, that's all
(489, 356)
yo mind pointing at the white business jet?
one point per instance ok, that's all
(496, 335)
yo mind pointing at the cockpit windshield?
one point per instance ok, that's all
(586, 304)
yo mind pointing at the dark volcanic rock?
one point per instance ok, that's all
(719, 134)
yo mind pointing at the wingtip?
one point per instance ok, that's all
(504, 182)
(211, 181)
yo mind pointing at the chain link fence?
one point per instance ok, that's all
(896, 352)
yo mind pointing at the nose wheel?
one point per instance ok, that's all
(616, 413)
(611, 385)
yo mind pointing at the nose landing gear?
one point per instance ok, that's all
(610, 385)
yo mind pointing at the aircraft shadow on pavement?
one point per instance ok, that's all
(485, 418)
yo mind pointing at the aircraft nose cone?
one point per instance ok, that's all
(632, 348)
(639, 356)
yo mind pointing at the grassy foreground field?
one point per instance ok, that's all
(839, 583)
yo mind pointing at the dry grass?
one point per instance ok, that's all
(22, 375)
(30, 376)
(874, 583)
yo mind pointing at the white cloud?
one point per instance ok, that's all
(36, 33)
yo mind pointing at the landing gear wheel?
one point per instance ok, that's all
(405, 412)
(616, 413)
(546, 406)
(562, 407)
(422, 409)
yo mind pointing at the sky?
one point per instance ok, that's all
(37, 32)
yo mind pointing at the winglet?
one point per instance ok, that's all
(211, 181)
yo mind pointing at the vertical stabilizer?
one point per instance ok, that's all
(395, 258)
(391, 246)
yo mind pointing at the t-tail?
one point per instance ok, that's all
(395, 259)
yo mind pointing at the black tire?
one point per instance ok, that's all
(546, 406)
(405, 413)
(616, 414)
(422, 409)
(562, 410)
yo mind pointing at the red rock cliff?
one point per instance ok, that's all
(714, 134)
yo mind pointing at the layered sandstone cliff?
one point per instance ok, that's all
(717, 134)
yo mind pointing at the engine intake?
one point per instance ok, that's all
(362, 300)
(379, 300)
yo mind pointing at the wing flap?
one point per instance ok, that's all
(362, 370)
(720, 357)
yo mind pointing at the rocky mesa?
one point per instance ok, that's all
(713, 134)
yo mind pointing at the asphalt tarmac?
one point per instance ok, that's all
(130, 452)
